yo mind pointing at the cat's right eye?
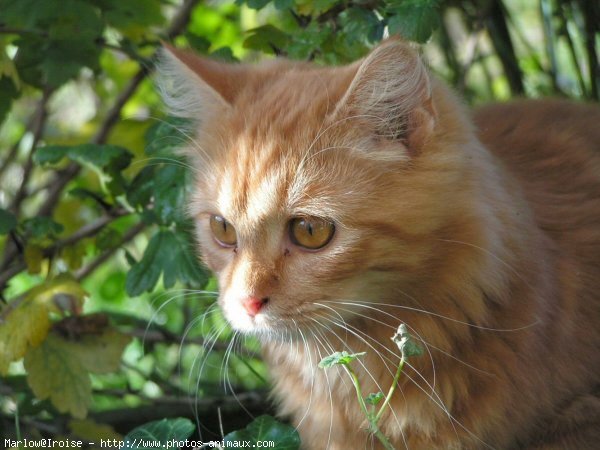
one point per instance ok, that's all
(223, 231)
(311, 233)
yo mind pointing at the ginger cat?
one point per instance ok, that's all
(334, 204)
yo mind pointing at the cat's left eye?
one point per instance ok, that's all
(312, 233)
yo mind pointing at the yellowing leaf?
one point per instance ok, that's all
(33, 258)
(54, 373)
(93, 431)
(53, 292)
(100, 353)
(28, 324)
(73, 255)
(25, 326)
(7, 67)
(59, 368)
(70, 213)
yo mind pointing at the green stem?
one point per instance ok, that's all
(361, 400)
(382, 438)
(373, 428)
(392, 389)
(17, 424)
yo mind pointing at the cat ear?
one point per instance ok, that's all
(194, 87)
(392, 92)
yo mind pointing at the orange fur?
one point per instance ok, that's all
(483, 235)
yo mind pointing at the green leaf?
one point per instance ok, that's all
(29, 59)
(108, 238)
(169, 193)
(339, 358)
(144, 275)
(42, 227)
(8, 221)
(8, 92)
(266, 428)
(157, 434)
(75, 21)
(63, 59)
(198, 43)
(87, 194)
(26, 13)
(167, 184)
(266, 39)
(413, 19)
(184, 266)
(283, 4)
(170, 253)
(71, 29)
(64, 18)
(100, 157)
(254, 4)
(141, 188)
(360, 25)
(321, 6)
(374, 398)
(107, 160)
(125, 14)
(165, 138)
(406, 343)
(224, 54)
(311, 39)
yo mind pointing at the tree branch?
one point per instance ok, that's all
(495, 20)
(56, 186)
(128, 236)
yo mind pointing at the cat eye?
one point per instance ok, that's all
(223, 231)
(312, 233)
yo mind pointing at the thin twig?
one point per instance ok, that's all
(12, 30)
(89, 230)
(38, 123)
(14, 150)
(591, 15)
(495, 20)
(38, 130)
(91, 267)
(572, 51)
(546, 13)
(153, 337)
(84, 232)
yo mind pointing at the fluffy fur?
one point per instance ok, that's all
(483, 235)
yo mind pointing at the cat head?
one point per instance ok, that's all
(316, 187)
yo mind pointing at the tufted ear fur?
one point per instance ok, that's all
(194, 87)
(392, 92)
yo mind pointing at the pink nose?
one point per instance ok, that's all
(253, 305)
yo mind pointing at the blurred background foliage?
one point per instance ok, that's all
(107, 320)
